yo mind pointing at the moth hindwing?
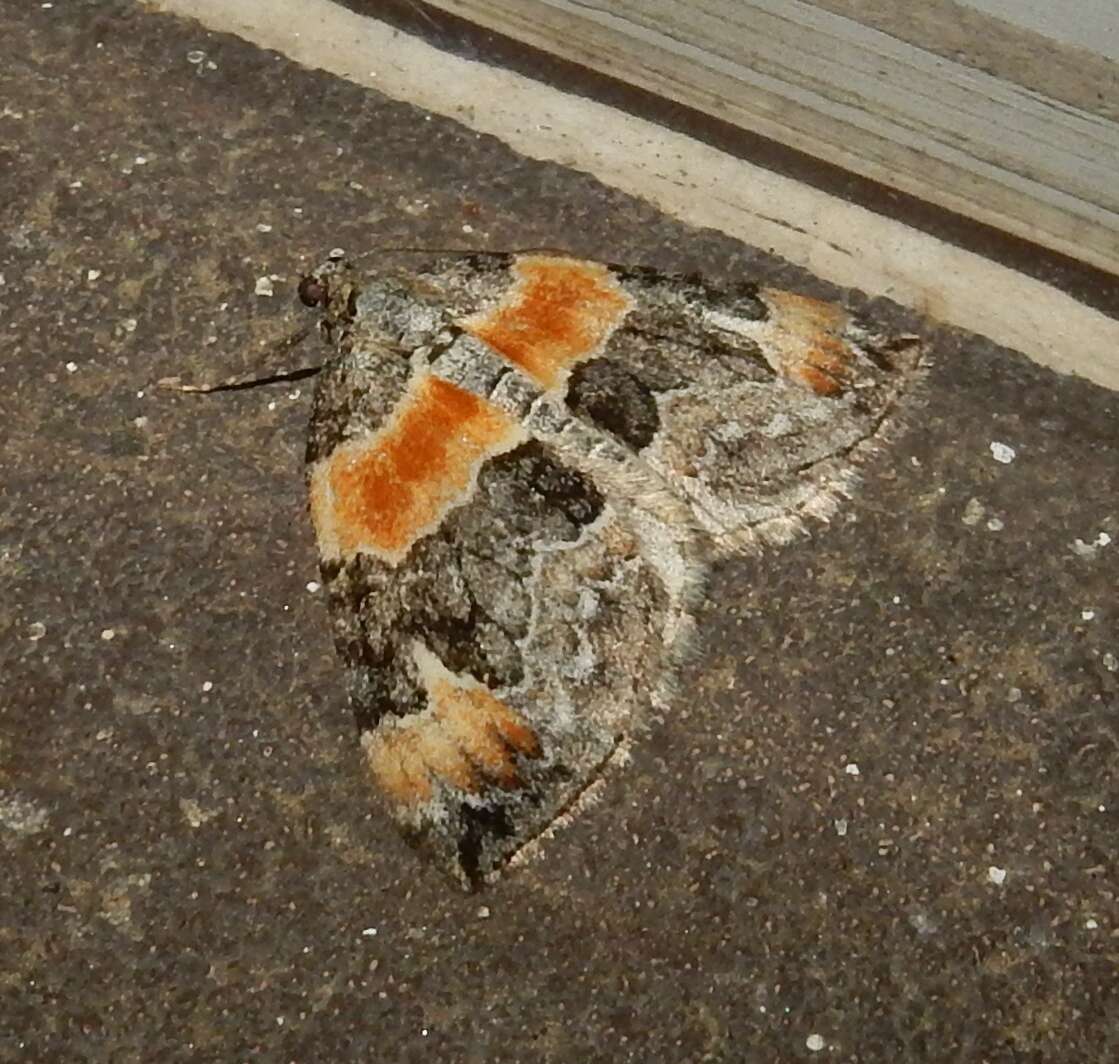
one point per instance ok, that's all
(519, 466)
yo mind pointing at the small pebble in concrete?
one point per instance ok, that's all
(264, 286)
(20, 816)
(814, 1042)
(996, 875)
(1001, 452)
(973, 512)
(1088, 550)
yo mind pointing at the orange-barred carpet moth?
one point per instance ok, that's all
(520, 466)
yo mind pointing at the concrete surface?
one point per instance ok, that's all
(879, 826)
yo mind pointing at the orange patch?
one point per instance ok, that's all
(807, 313)
(810, 342)
(467, 737)
(820, 382)
(381, 494)
(560, 311)
(826, 366)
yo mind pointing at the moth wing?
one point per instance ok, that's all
(498, 622)
(753, 404)
(509, 463)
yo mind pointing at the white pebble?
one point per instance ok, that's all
(851, 769)
(313, 586)
(973, 512)
(107, 634)
(264, 286)
(814, 1042)
(996, 875)
(1000, 452)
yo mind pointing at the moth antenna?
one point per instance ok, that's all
(340, 256)
(238, 384)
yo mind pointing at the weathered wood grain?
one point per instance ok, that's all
(852, 96)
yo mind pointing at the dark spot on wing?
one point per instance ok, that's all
(480, 828)
(605, 393)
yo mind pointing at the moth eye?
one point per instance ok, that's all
(312, 292)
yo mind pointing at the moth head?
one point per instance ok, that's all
(331, 288)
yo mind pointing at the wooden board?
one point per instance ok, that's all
(852, 96)
(958, 30)
(687, 179)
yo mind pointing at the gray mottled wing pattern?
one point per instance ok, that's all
(518, 466)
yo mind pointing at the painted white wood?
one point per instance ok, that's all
(845, 244)
(850, 95)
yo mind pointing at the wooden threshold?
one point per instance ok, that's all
(1054, 309)
(827, 86)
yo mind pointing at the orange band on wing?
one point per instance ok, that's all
(382, 493)
(808, 336)
(467, 738)
(559, 312)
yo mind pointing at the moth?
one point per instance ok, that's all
(520, 467)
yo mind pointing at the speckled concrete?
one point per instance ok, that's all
(881, 820)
